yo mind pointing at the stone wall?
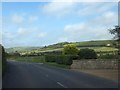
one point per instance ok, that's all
(95, 64)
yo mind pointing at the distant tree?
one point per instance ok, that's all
(70, 49)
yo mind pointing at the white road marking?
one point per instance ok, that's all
(61, 84)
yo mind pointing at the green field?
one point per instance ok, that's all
(103, 51)
(100, 46)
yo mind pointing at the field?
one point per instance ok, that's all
(36, 54)
(97, 45)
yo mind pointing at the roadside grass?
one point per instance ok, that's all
(35, 59)
(57, 65)
(39, 59)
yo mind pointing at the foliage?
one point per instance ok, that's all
(60, 59)
(50, 58)
(70, 49)
(4, 61)
(107, 56)
(36, 59)
(116, 33)
(87, 54)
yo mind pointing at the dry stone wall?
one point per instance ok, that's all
(95, 64)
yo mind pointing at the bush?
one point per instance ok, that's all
(70, 49)
(87, 54)
(60, 59)
(50, 58)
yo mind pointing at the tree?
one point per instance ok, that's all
(70, 49)
(116, 33)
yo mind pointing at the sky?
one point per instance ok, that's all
(46, 23)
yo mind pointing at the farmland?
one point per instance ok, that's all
(100, 46)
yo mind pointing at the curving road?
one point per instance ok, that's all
(33, 75)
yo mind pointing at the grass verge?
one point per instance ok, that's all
(38, 59)
(57, 65)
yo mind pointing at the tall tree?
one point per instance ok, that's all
(116, 33)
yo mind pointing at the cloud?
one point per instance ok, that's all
(42, 34)
(77, 8)
(32, 32)
(95, 8)
(23, 18)
(85, 0)
(33, 18)
(58, 8)
(23, 31)
(24, 34)
(106, 19)
(74, 27)
(17, 18)
(8, 35)
(60, 0)
(93, 29)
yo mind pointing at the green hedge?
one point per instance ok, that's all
(50, 58)
(87, 53)
(60, 59)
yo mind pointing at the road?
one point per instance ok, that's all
(33, 75)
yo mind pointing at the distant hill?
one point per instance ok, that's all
(20, 49)
(96, 43)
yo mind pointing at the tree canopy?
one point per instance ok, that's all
(70, 49)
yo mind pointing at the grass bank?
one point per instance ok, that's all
(38, 59)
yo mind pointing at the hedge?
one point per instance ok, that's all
(87, 53)
(60, 59)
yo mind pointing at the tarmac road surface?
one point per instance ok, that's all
(33, 75)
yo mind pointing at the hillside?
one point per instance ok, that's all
(20, 49)
(97, 43)
(59, 46)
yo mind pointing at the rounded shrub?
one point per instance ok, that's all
(70, 49)
(87, 54)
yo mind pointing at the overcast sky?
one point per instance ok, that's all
(44, 23)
